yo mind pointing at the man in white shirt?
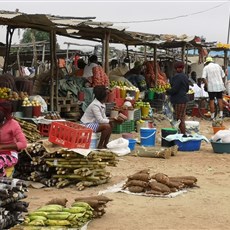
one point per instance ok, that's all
(213, 76)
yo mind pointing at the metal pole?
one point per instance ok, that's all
(228, 27)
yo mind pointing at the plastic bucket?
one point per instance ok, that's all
(14, 105)
(164, 133)
(148, 136)
(112, 95)
(130, 114)
(151, 95)
(216, 129)
(114, 113)
(123, 93)
(27, 111)
(36, 111)
(132, 144)
(81, 96)
(137, 95)
(144, 111)
(94, 141)
(118, 93)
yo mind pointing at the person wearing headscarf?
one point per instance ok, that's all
(178, 94)
(12, 138)
(136, 77)
(94, 74)
(95, 118)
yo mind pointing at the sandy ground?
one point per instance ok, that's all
(206, 207)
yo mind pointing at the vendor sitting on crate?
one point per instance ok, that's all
(12, 138)
(95, 118)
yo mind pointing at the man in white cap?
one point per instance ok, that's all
(213, 76)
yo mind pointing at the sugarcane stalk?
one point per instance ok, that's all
(73, 176)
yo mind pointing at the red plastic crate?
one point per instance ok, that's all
(44, 129)
(70, 135)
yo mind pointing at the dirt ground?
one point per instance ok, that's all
(206, 207)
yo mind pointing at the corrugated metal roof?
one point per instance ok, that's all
(86, 29)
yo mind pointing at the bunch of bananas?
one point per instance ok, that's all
(161, 88)
(57, 215)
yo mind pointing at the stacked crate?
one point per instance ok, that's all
(67, 107)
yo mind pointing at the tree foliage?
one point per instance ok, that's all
(39, 36)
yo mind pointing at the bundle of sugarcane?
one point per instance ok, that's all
(27, 167)
(32, 166)
(30, 130)
(98, 203)
(66, 167)
(105, 156)
(36, 149)
(57, 215)
(73, 168)
(89, 177)
(11, 207)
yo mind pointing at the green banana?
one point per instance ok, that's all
(37, 218)
(37, 223)
(52, 216)
(81, 204)
(38, 214)
(77, 209)
(51, 208)
(58, 223)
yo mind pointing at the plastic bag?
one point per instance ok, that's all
(168, 109)
(220, 134)
(119, 146)
(41, 101)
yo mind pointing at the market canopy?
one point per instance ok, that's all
(87, 29)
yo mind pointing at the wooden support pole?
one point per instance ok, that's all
(9, 35)
(183, 53)
(53, 69)
(127, 54)
(155, 63)
(107, 52)
(145, 51)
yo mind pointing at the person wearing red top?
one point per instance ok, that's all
(12, 138)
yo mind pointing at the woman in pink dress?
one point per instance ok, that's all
(12, 138)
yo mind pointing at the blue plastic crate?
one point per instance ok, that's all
(192, 145)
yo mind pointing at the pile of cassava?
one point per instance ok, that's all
(158, 184)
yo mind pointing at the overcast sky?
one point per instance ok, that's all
(209, 19)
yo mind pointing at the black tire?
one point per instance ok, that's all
(204, 109)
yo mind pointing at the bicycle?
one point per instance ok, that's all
(204, 108)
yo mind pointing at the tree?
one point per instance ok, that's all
(31, 35)
(39, 36)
